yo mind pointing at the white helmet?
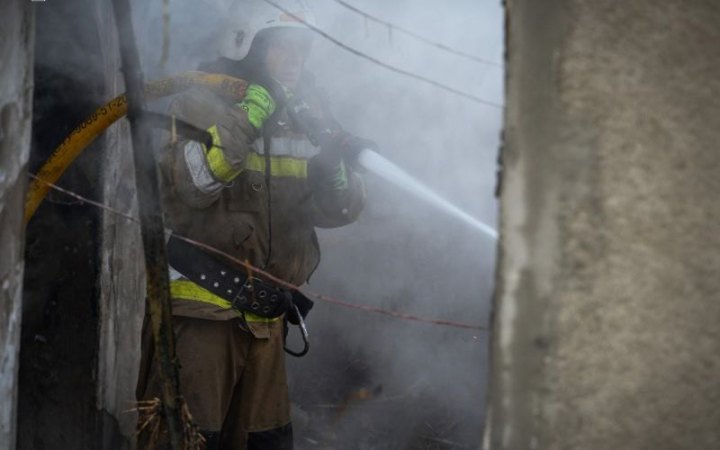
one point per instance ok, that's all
(242, 20)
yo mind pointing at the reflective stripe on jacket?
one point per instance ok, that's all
(219, 196)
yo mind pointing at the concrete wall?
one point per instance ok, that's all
(59, 351)
(608, 303)
(83, 294)
(16, 51)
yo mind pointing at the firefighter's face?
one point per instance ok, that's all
(287, 51)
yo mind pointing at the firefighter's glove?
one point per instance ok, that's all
(259, 105)
(303, 304)
(350, 146)
(328, 170)
(327, 173)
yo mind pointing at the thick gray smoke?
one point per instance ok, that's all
(425, 384)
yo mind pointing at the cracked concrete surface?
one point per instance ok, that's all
(15, 112)
(611, 186)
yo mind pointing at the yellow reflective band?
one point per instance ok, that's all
(280, 166)
(187, 290)
(219, 166)
(250, 317)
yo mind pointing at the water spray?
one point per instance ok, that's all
(384, 168)
(108, 114)
(321, 134)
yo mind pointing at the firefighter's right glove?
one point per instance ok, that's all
(259, 104)
(303, 304)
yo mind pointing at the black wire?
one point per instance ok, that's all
(268, 189)
(385, 65)
(418, 37)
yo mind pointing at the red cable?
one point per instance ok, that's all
(271, 277)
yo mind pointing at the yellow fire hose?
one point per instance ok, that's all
(106, 115)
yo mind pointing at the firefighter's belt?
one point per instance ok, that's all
(245, 293)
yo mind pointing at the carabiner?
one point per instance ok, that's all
(303, 332)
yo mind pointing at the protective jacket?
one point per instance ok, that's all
(250, 195)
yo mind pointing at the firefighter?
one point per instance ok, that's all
(257, 193)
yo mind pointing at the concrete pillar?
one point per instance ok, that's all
(608, 302)
(122, 296)
(16, 50)
(122, 274)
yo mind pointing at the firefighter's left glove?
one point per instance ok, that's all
(328, 170)
(350, 146)
(259, 105)
(303, 304)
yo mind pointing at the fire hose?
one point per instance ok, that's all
(111, 112)
(106, 115)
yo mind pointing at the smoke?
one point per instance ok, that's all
(401, 254)
(426, 382)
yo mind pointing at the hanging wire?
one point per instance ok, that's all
(387, 66)
(394, 27)
(166, 33)
(269, 276)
